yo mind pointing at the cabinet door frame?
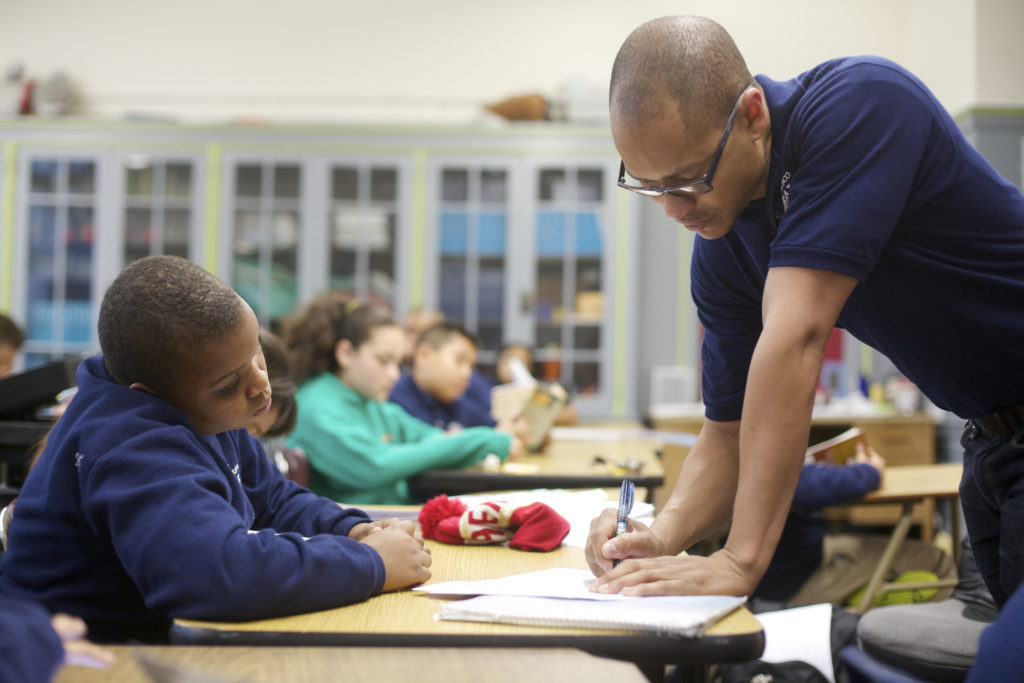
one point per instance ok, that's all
(197, 199)
(102, 268)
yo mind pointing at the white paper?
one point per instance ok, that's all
(678, 615)
(558, 582)
(800, 633)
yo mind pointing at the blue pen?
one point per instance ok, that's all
(626, 495)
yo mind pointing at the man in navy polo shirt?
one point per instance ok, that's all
(844, 197)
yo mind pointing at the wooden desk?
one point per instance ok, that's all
(566, 464)
(406, 619)
(900, 439)
(200, 664)
(906, 486)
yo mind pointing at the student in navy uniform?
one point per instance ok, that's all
(812, 566)
(34, 644)
(151, 501)
(847, 197)
(434, 388)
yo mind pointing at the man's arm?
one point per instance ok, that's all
(701, 503)
(800, 308)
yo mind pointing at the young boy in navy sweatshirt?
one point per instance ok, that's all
(151, 501)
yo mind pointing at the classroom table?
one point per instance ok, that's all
(407, 619)
(220, 664)
(564, 464)
(907, 485)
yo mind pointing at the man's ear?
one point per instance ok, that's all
(139, 386)
(343, 352)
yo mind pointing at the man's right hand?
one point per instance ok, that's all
(406, 558)
(603, 547)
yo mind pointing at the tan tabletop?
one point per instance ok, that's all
(407, 618)
(907, 485)
(564, 464)
(286, 664)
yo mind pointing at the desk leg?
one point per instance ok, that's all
(878, 578)
(954, 522)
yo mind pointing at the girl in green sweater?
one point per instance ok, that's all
(362, 449)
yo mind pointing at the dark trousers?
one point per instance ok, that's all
(992, 495)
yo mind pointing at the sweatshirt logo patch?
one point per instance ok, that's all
(237, 471)
(78, 461)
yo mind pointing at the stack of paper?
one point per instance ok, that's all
(560, 597)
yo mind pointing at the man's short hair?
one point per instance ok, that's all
(158, 312)
(690, 63)
(440, 334)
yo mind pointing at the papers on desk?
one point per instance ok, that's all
(559, 597)
(547, 583)
(579, 507)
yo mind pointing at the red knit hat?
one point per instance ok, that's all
(535, 526)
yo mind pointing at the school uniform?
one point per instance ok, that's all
(132, 518)
(30, 650)
(363, 451)
(462, 412)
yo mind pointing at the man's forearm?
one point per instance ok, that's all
(773, 439)
(702, 499)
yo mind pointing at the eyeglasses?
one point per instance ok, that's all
(702, 186)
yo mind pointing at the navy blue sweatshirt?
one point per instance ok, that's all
(462, 412)
(131, 518)
(30, 650)
(799, 552)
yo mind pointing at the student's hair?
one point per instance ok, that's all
(10, 333)
(440, 334)
(690, 63)
(312, 335)
(282, 383)
(157, 313)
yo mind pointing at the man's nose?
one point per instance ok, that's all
(676, 207)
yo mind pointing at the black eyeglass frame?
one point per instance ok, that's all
(697, 187)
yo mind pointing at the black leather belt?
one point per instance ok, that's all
(1002, 423)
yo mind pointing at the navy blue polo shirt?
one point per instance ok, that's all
(872, 178)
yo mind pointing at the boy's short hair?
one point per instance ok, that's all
(10, 333)
(440, 334)
(282, 383)
(157, 312)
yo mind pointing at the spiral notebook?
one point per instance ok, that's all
(670, 615)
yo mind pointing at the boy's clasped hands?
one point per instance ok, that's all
(400, 544)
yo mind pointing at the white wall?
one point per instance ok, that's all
(440, 59)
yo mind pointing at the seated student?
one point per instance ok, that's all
(433, 388)
(360, 447)
(811, 566)
(34, 644)
(11, 339)
(417, 321)
(280, 419)
(151, 501)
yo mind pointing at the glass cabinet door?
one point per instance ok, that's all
(159, 212)
(362, 230)
(569, 299)
(472, 246)
(59, 228)
(265, 236)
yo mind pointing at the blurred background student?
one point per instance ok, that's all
(361, 447)
(434, 388)
(11, 339)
